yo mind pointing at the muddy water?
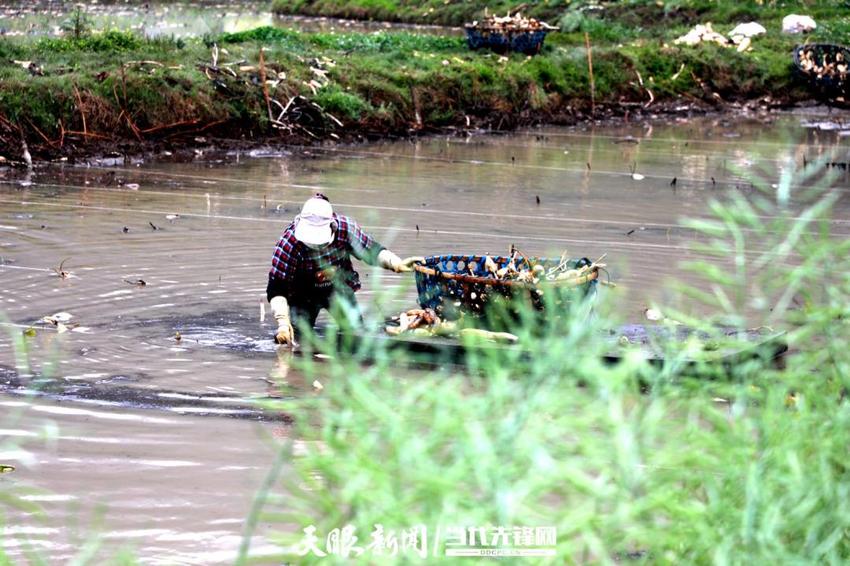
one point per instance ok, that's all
(157, 443)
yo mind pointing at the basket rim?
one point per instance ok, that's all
(592, 275)
(500, 28)
(800, 47)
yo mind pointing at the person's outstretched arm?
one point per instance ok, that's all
(365, 248)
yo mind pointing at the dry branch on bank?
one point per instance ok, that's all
(285, 108)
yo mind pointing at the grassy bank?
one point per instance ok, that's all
(647, 16)
(436, 12)
(122, 91)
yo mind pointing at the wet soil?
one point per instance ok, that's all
(229, 137)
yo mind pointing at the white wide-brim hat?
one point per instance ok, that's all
(313, 225)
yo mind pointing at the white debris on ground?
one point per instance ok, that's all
(701, 33)
(740, 37)
(510, 23)
(794, 23)
(749, 29)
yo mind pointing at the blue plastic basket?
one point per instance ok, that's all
(452, 283)
(528, 42)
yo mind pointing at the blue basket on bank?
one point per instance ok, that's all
(451, 284)
(527, 42)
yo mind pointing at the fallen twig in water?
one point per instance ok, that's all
(60, 271)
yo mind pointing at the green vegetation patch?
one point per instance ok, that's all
(264, 33)
(107, 42)
(346, 105)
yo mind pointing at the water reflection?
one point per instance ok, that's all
(178, 19)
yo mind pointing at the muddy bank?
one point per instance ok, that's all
(223, 143)
(231, 138)
(117, 93)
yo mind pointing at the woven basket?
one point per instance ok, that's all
(452, 283)
(831, 84)
(502, 41)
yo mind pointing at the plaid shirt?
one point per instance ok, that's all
(299, 271)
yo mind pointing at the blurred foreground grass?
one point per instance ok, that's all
(743, 463)
(630, 463)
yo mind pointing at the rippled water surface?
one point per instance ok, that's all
(157, 443)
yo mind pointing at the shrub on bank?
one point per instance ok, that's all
(343, 104)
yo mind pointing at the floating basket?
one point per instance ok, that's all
(826, 67)
(452, 283)
(502, 41)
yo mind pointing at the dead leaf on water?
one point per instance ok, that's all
(4, 469)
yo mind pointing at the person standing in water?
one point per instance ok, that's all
(311, 266)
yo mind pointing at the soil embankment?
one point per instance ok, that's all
(95, 93)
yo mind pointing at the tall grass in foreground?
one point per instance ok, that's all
(13, 501)
(671, 463)
(20, 513)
